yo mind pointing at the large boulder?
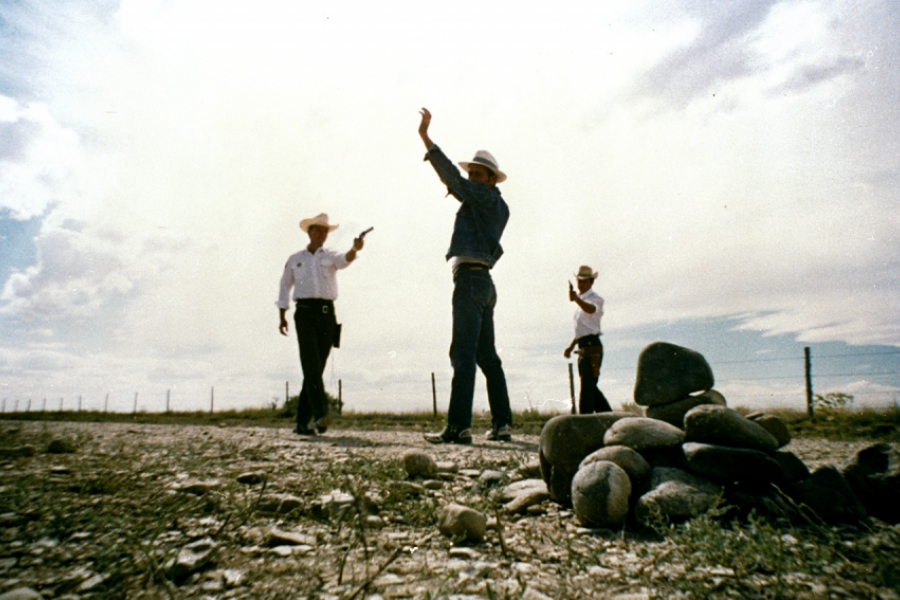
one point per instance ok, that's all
(565, 441)
(874, 475)
(729, 465)
(630, 460)
(792, 468)
(673, 412)
(774, 425)
(600, 494)
(676, 495)
(722, 426)
(829, 496)
(666, 373)
(641, 433)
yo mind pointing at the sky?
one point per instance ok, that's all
(730, 168)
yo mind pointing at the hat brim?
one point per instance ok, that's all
(305, 224)
(501, 176)
(594, 276)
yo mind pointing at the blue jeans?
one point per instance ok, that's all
(474, 298)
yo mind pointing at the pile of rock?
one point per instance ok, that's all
(690, 450)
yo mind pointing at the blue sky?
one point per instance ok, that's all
(730, 168)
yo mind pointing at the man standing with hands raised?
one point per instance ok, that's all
(474, 250)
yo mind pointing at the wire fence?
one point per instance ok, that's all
(793, 375)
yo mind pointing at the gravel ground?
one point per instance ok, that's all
(109, 513)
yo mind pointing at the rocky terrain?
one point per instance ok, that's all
(144, 511)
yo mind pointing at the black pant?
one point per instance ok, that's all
(316, 326)
(591, 399)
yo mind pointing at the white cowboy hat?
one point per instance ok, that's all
(585, 272)
(486, 160)
(321, 220)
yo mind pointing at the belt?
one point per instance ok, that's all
(589, 340)
(316, 304)
(470, 266)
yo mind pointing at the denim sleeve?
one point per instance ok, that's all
(457, 185)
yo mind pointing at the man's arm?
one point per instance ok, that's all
(282, 321)
(357, 246)
(583, 305)
(457, 185)
(423, 128)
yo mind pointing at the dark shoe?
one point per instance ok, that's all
(323, 423)
(450, 436)
(302, 430)
(500, 434)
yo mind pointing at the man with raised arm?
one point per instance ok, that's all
(474, 250)
(312, 274)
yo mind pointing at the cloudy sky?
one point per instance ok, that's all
(730, 168)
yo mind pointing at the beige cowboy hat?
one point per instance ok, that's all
(585, 272)
(321, 220)
(487, 160)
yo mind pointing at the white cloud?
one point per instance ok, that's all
(75, 275)
(39, 159)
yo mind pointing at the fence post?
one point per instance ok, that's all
(287, 393)
(106, 403)
(433, 395)
(60, 405)
(168, 397)
(79, 402)
(43, 406)
(134, 409)
(809, 391)
(212, 399)
(572, 388)
(340, 396)
(28, 407)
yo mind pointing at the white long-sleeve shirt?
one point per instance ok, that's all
(311, 276)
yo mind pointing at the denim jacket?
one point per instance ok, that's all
(481, 217)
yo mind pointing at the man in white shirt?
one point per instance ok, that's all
(312, 273)
(587, 337)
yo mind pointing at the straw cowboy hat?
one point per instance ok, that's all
(321, 220)
(486, 160)
(585, 272)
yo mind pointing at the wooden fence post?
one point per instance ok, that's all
(433, 395)
(212, 399)
(810, 409)
(572, 388)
